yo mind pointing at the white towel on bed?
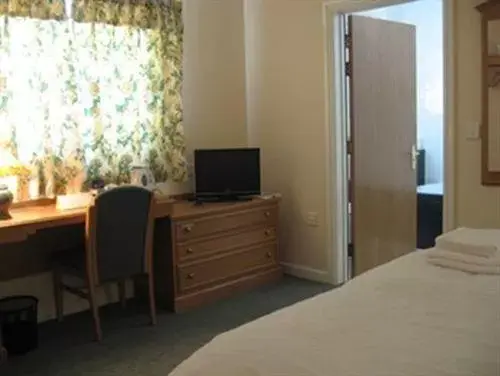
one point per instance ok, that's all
(461, 257)
(464, 262)
(477, 242)
(465, 267)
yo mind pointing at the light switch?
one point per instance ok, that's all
(312, 219)
(473, 131)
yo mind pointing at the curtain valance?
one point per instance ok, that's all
(41, 9)
(152, 14)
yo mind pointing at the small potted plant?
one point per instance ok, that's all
(20, 175)
(6, 198)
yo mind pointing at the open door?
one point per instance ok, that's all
(382, 140)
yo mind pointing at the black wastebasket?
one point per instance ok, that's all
(18, 324)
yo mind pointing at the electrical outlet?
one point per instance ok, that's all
(312, 219)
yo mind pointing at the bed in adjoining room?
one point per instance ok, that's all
(406, 318)
(429, 214)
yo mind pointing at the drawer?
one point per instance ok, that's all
(224, 267)
(186, 230)
(224, 243)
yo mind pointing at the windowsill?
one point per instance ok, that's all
(43, 201)
(169, 189)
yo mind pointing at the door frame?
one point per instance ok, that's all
(336, 171)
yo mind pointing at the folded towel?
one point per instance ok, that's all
(465, 248)
(477, 242)
(443, 254)
(464, 267)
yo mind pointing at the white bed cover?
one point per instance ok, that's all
(406, 318)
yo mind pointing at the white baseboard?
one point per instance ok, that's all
(305, 272)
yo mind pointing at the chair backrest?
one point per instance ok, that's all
(119, 232)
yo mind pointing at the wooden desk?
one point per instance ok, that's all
(201, 252)
(28, 220)
(35, 232)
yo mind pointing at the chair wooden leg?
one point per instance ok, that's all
(152, 298)
(3, 355)
(58, 293)
(122, 293)
(95, 312)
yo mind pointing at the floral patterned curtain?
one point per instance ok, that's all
(88, 93)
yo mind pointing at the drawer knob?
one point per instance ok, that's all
(269, 254)
(190, 251)
(190, 276)
(187, 228)
(267, 214)
(268, 232)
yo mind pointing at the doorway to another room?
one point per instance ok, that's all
(394, 115)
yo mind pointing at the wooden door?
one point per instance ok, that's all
(383, 99)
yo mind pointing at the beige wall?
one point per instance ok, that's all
(214, 73)
(286, 96)
(286, 99)
(214, 104)
(476, 205)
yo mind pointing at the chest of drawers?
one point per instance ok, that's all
(221, 248)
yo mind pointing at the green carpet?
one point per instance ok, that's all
(132, 347)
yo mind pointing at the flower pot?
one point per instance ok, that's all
(6, 198)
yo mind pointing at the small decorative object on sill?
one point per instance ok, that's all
(34, 179)
(13, 174)
(23, 192)
(34, 188)
(109, 187)
(6, 198)
(97, 186)
(142, 176)
(73, 201)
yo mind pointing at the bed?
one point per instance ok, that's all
(406, 318)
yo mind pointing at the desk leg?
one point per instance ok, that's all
(95, 311)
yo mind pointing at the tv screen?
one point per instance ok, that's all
(227, 172)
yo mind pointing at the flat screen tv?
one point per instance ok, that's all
(226, 174)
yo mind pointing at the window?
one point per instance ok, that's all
(86, 98)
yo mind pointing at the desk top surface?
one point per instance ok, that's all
(39, 214)
(44, 214)
(27, 220)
